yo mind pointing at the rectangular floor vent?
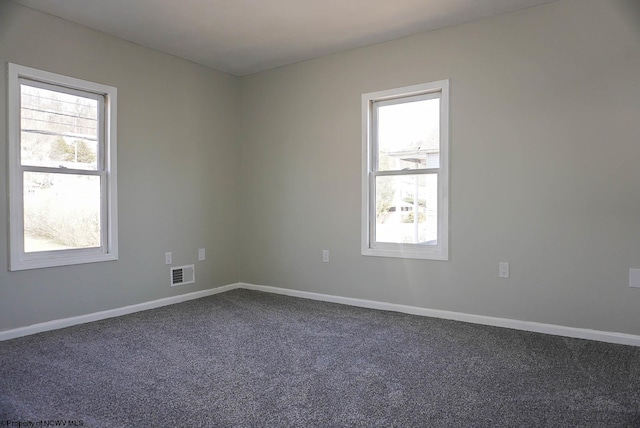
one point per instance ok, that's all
(181, 275)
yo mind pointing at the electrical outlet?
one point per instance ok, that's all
(202, 254)
(325, 256)
(168, 258)
(503, 270)
(634, 278)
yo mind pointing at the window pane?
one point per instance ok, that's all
(58, 129)
(409, 135)
(61, 211)
(407, 209)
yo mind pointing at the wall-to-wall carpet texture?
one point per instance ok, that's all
(246, 358)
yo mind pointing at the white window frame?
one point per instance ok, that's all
(440, 251)
(107, 95)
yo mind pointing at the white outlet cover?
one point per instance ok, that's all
(168, 259)
(503, 270)
(325, 256)
(202, 255)
(634, 278)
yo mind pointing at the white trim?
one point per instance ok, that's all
(555, 330)
(107, 170)
(368, 245)
(111, 313)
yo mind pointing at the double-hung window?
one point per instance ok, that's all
(405, 179)
(62, 170)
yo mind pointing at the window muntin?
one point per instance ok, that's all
(62, 170)
(405, 172)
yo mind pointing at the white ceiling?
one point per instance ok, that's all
(247, 36)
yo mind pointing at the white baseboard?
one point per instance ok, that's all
(556, 330)
(96, 316)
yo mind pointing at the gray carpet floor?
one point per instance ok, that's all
(245, 358)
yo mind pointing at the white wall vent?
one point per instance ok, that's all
(181, 275)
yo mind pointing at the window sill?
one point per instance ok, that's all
(53, 260)
(403, 253)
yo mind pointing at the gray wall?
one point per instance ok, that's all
(545, 168)
(544, 174)
(178, 162)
